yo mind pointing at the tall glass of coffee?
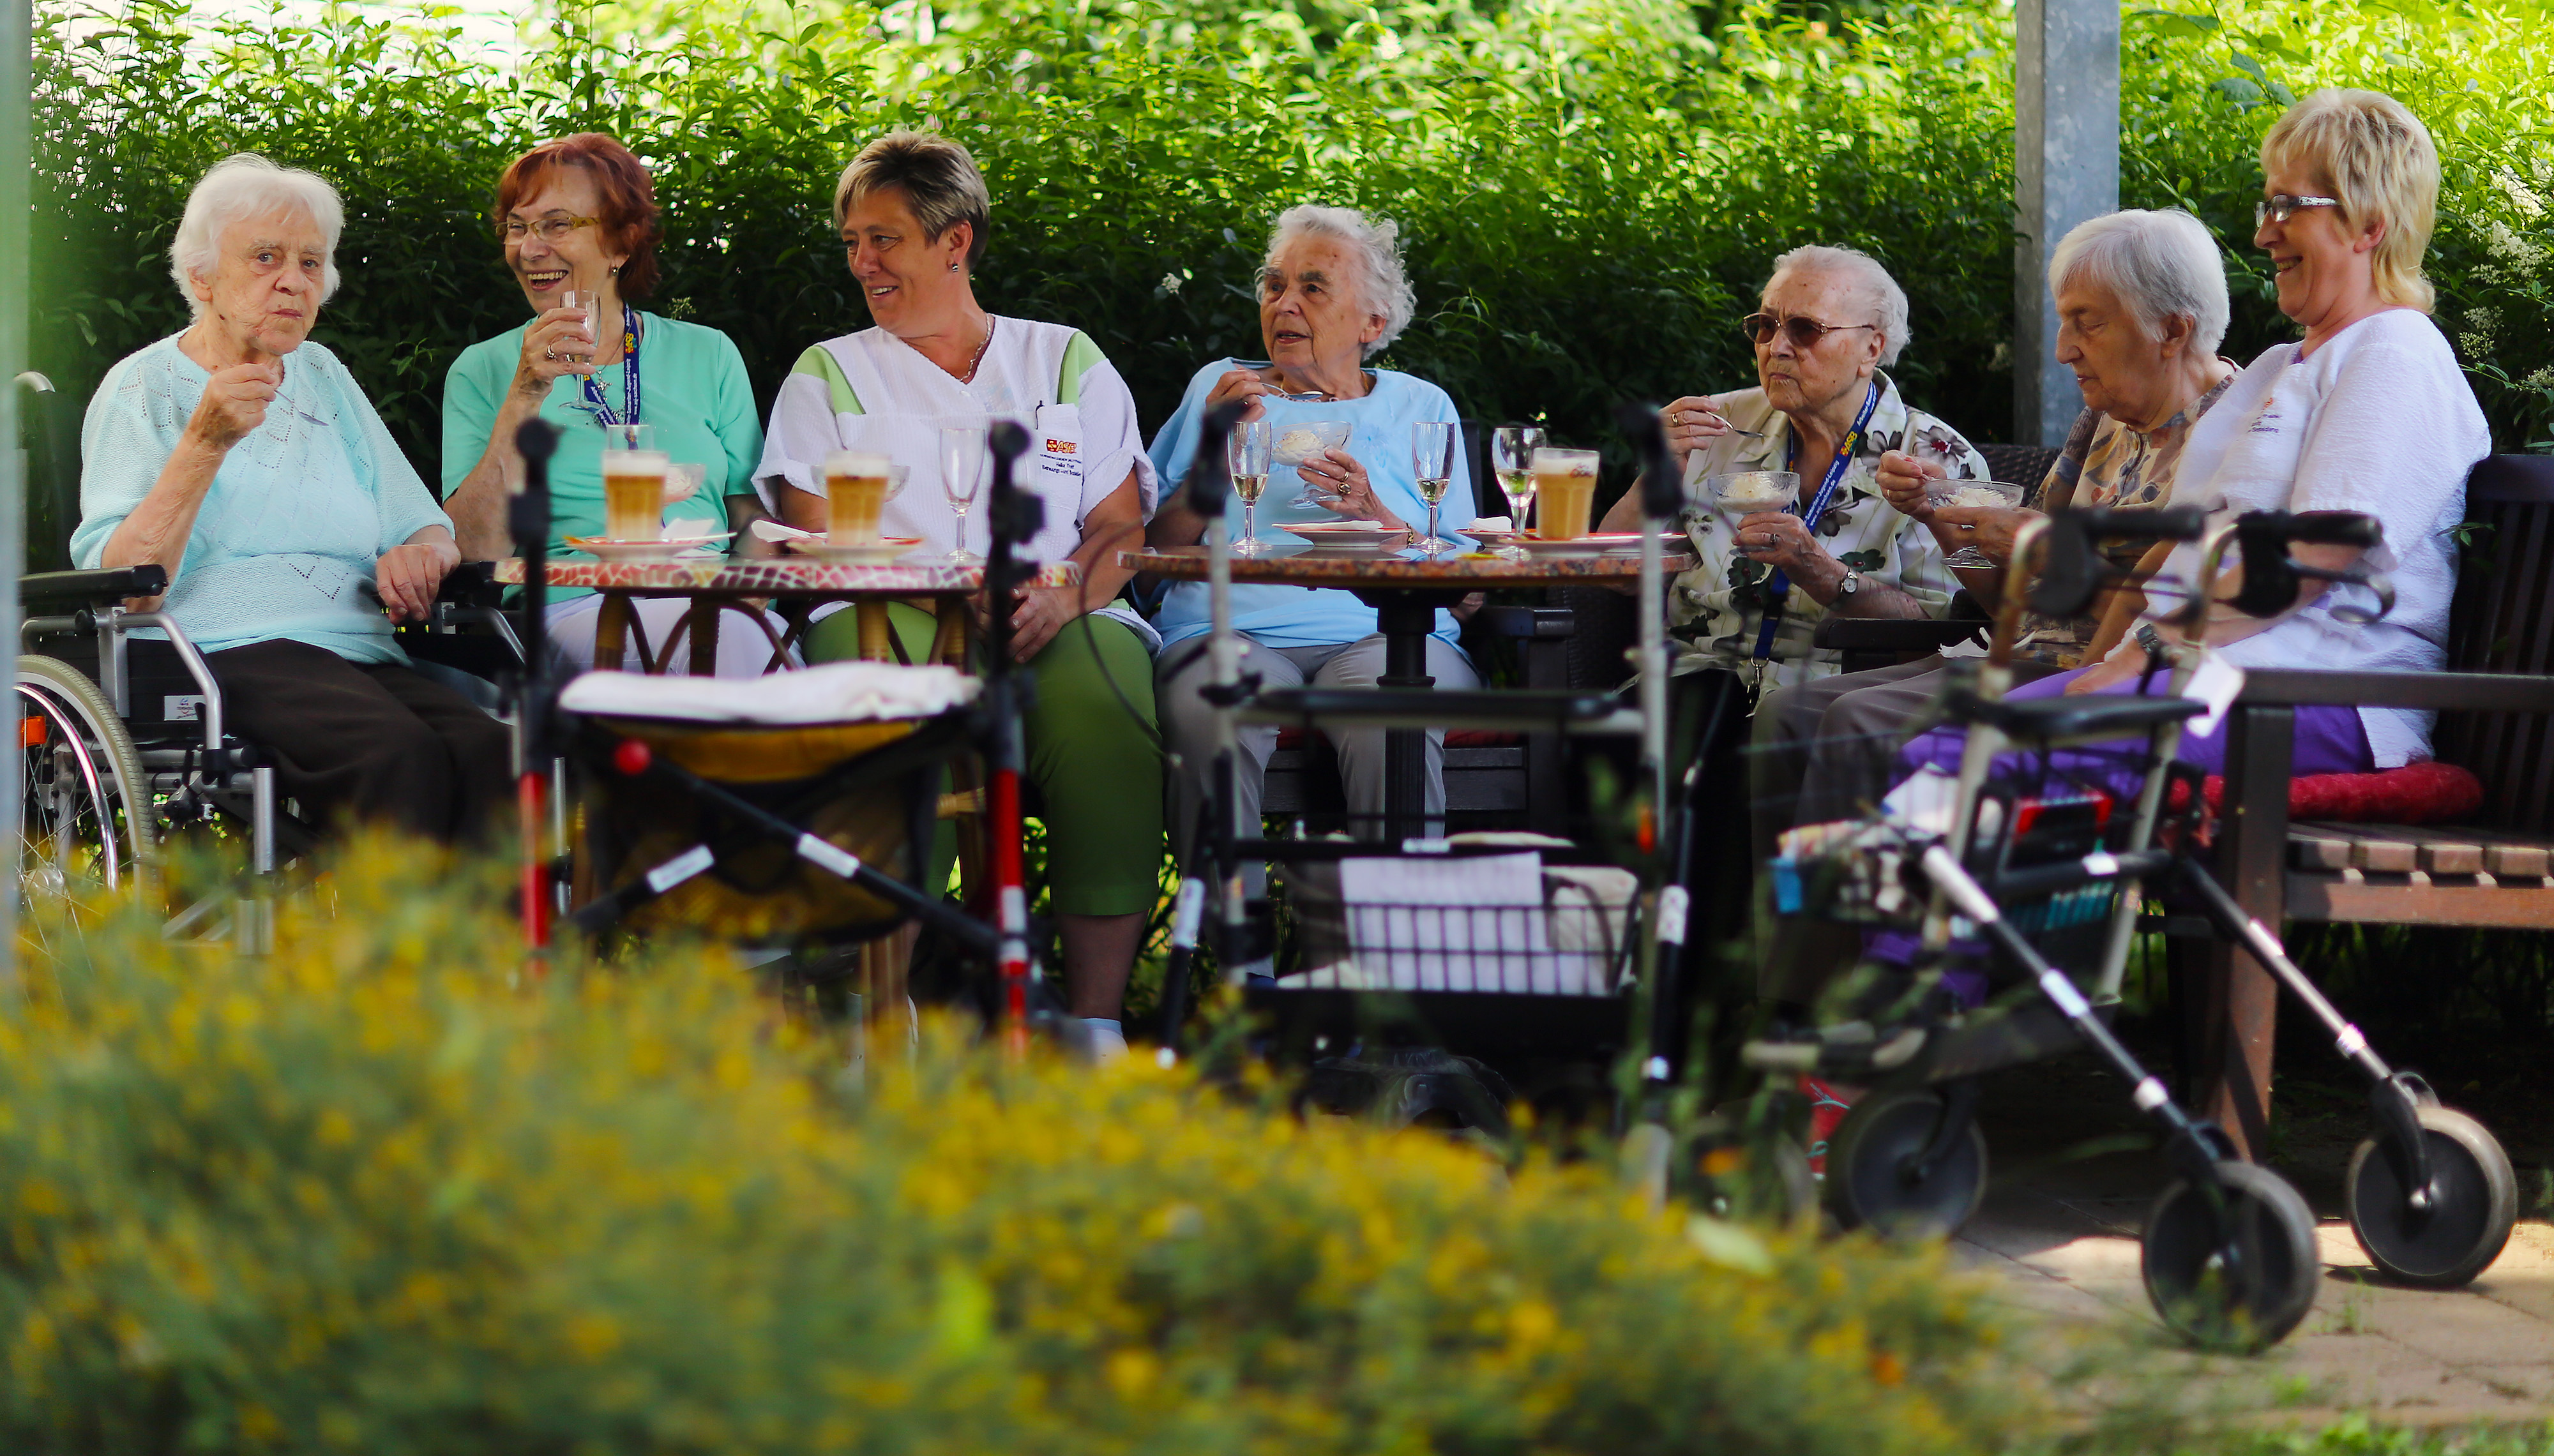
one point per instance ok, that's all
(1564, 483)
(856, 491)
(635, 479)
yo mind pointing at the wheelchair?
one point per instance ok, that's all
(123, 744)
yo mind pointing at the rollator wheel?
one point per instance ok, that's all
(2247, 1304)
(2450, 1243)
(86, 821)
(1872, 1178)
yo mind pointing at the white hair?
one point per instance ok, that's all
(243, 186)
(1385, 290)
(1887, 300)
(2159, 265)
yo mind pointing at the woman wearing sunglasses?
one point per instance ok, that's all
(1831, 319)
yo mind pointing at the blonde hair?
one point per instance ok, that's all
(939, 180)
(2378, 160)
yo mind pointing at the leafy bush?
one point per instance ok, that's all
(379, 1192)
(1591, 189)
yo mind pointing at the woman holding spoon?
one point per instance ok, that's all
(577, 219)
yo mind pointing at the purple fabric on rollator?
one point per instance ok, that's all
(2329, 739)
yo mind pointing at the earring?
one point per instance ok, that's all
(953, 268)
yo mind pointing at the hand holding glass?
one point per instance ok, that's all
(1991, 494)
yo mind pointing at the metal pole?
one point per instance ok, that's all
(17, 76)
(2065, 171)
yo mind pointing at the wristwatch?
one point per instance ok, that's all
(1851, 584)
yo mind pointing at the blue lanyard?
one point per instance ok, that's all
(1781, 585)
(629, 376)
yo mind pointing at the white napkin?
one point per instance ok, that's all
(1489, 523)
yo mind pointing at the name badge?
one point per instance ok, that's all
(1058, 442)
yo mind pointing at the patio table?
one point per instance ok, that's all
(722, 584)
(1405, 589)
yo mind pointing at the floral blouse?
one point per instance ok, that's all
(2105, 463)
(1716, 611)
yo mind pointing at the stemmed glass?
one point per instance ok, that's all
(1432, 462)
(963, 459)
(1942, 492)
(1512, 448)
(1245, 456)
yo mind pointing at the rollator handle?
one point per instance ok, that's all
(2272, 579)
(2072, 569)
(1662, 489)
(1211, 477)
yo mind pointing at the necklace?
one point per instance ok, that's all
(990, 323)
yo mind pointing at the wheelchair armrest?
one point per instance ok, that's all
(63, 591)
(1508, 621)
(471, 584)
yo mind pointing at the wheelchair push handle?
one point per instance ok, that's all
(2309, 528)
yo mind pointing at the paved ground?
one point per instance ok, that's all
(2061, 1221)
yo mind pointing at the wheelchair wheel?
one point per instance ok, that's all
(2447, 1245)
(2247, 1301)
(84, 812)
(1872, 1178)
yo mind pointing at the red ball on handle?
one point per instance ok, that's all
(631, 757)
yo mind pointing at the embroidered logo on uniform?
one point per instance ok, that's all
(1062, 447)
(2267, 421)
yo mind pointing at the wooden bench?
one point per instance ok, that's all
(2496, 705)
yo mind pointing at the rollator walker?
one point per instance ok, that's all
(2029, 869)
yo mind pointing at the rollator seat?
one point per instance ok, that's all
(840, 750)
(2034, 718)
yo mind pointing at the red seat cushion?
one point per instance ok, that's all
(2428, 792)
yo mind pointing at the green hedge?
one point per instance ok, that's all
(382, 1192)
(1591, 189)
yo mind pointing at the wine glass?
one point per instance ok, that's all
(586, 304)
(1512, 448)
(1940, 492)
(1245, 455)
(963, 462)
(1432, 463)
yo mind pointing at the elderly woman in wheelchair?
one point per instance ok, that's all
(245, 462)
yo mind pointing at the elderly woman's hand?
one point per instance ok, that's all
(234, 404)
(1336, 475)
(1241, 385)
(1990, 529)
(1693, 422)
(556, 343)
(406, 577)
(1778, 538)
(1903, 482)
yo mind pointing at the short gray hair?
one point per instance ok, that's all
(939, 179)
(240, 187)
(1887, 300)
(1385, 290)
(2159, 265)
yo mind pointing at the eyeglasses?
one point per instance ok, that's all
(552, 230)
(2279, 207)
(1804, 331)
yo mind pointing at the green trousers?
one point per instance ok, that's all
(1094, 774)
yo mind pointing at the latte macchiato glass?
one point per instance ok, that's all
(633, 493)
(1564, 489)
(855, 483)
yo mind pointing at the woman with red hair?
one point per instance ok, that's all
(579, 214)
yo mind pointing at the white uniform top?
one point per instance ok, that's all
(872, 391)
(2378, 420)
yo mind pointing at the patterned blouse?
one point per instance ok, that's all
(1716, 611)
(2105, 463)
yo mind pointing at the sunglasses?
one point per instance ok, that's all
(1802, 331)
(2279, 207)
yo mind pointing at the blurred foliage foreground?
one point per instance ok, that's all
(1591, 190)
(381, 1193)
